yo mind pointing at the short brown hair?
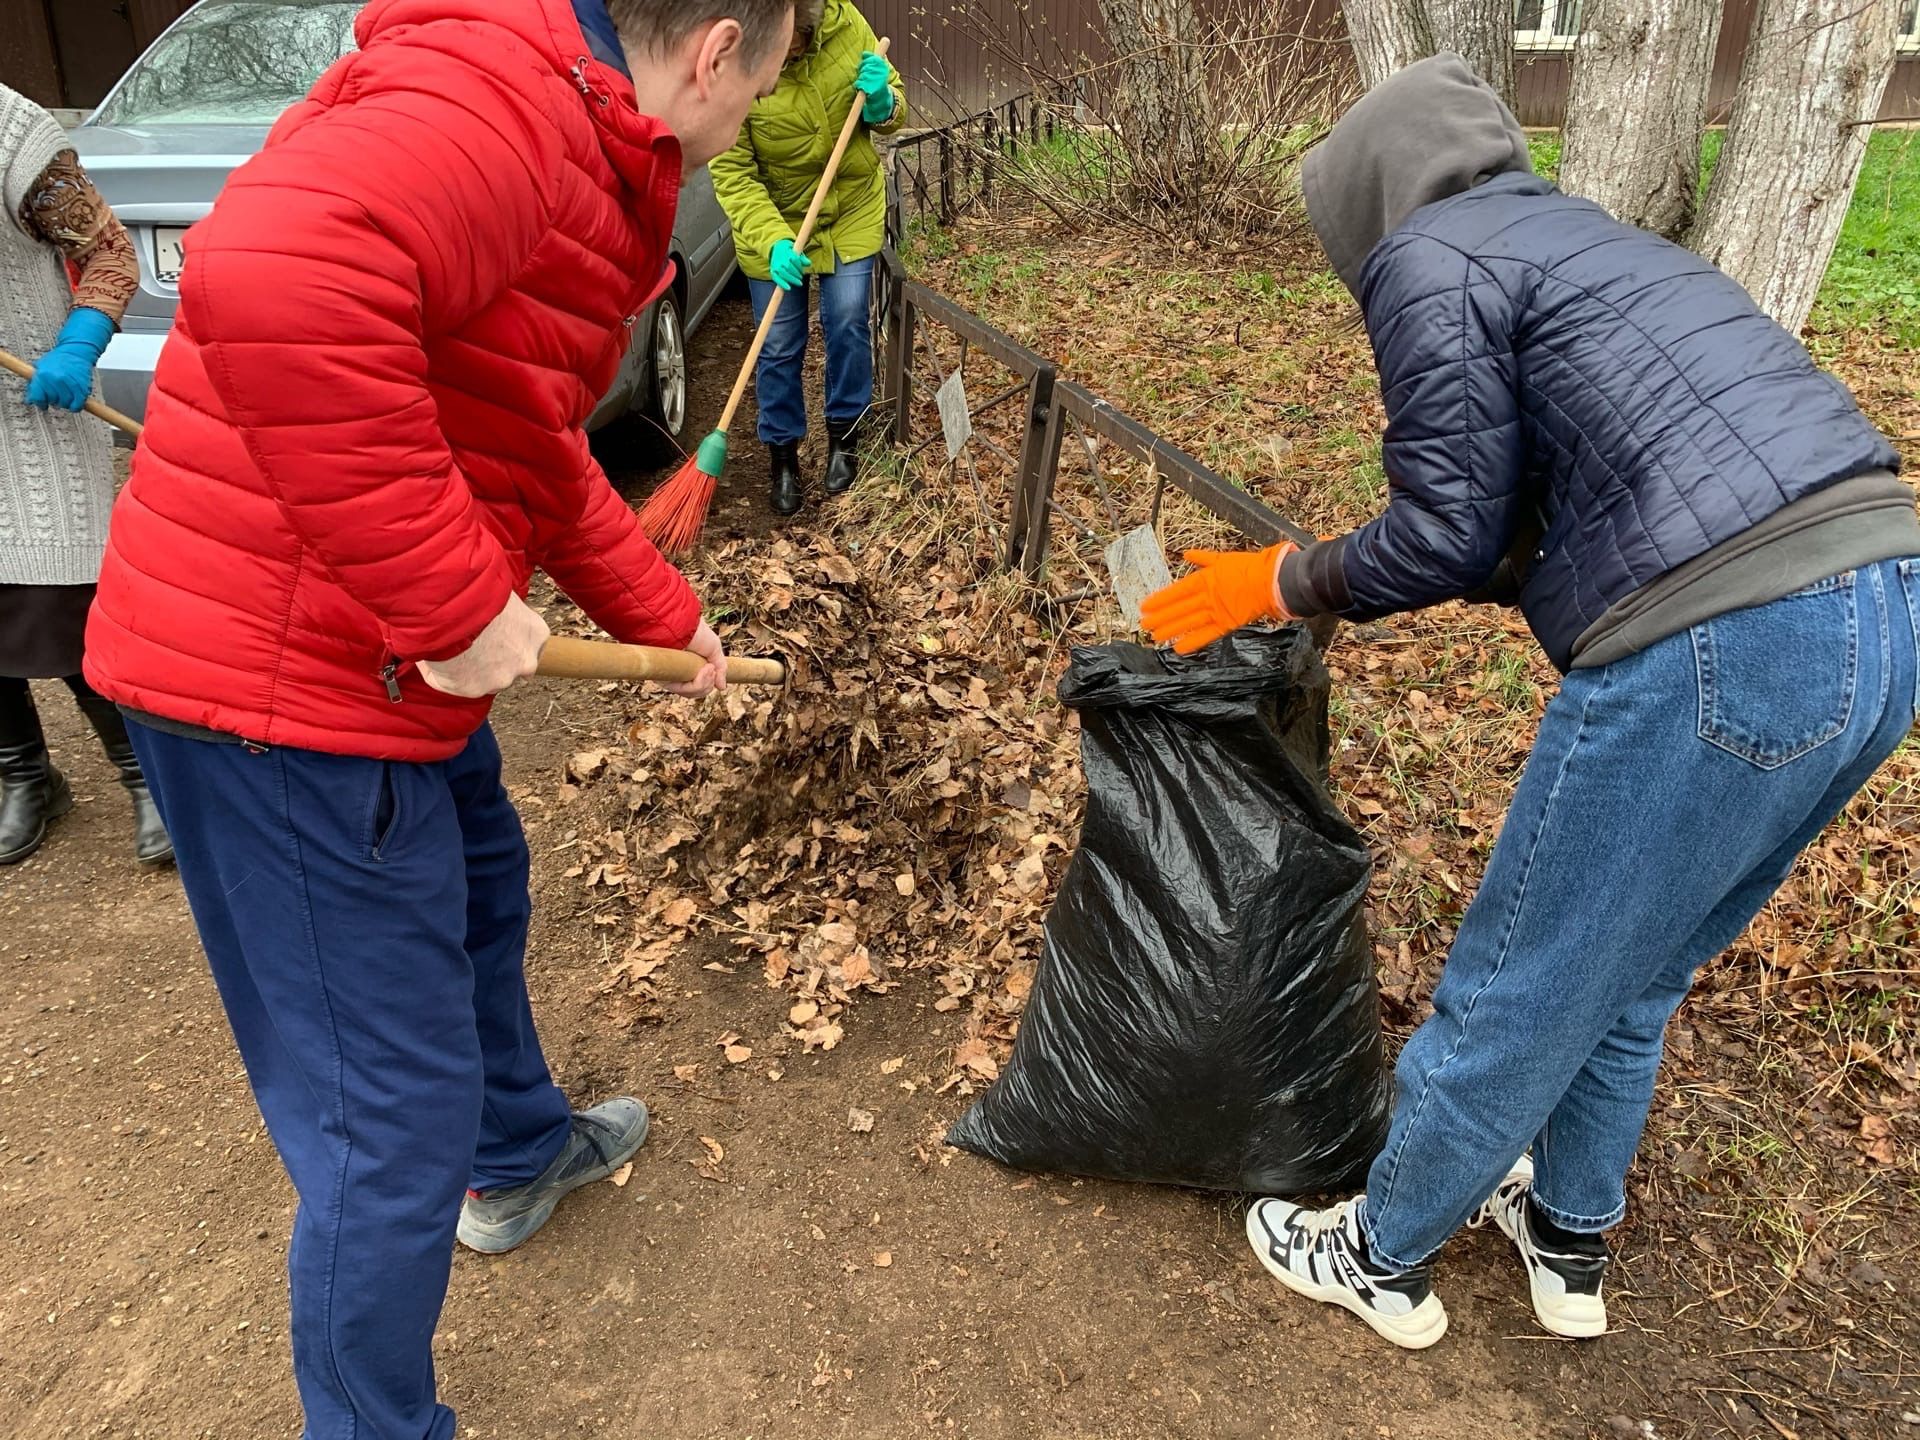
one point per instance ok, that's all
(663, 24)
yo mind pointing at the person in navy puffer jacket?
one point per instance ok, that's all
(1711, 541)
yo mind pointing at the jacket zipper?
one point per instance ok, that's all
(390, 676)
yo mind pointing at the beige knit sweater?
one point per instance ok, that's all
(56, 468)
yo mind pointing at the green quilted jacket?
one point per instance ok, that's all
(765, 182)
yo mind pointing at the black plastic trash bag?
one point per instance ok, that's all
(1204, 1011)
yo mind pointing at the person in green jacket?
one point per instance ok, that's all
(765, 183)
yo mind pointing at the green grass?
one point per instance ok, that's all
(1874, 276)
(1873, 280)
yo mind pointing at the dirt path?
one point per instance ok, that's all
(809, 1280)
(147, 1218)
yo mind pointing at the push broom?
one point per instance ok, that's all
(562, 657)
(674, 513)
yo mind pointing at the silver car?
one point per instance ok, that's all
(200, 102)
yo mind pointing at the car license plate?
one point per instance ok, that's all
(168, 242)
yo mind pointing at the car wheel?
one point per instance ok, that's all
(666, 387)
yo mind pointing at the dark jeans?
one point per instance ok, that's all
(780, 381)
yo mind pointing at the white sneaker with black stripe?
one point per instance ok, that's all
(1322, 1254)
(1564, 1270)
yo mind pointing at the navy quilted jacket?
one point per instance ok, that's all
(1544, 364)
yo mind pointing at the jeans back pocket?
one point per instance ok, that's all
(1777, 681)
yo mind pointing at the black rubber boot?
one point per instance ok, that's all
(843, 456)
(32, 793)
(788, 492)
(150, 843)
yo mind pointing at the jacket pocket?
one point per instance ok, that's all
(383, 811)
(1778, 681)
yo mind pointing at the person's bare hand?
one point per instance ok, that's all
(713, 675)
(506, 651)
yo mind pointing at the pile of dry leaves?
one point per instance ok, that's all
(906, 803)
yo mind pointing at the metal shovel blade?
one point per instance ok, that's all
(1138, 568)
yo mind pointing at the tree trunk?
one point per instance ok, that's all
(1165, 111)
(1793, 150)
(1481, 33)
(1637, 107)
(1389, 35)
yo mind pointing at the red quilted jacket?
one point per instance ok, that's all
(365, 430)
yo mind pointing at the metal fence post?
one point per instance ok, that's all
(900, 362)
(946, 178)
(1033, 552)
(989, 153)
(1026, 477)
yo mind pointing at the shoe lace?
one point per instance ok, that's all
(1505, 1196)
(1342, 1219)
(599, 1132)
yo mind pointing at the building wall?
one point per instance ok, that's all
(1540, 78)
(945, 61)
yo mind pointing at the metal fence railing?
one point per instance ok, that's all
(1051, 409)
(945, 171)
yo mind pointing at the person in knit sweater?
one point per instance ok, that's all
(56, 466)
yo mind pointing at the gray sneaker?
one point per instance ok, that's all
(603, 1139)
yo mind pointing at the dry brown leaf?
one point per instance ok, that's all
(586, 764)
(893, 1066)
(837, 569)
(860, 1122)
(738, 1054)
(977, 1056)
(882, 1259)
(823, 1037)
(856, 969)
(716, 1152)
(623, 1174)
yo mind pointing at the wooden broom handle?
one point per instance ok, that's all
(570, 659)
(93, 407)
(800, 244)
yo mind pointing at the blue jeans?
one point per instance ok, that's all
(1664, 802)
(780, 381)
(366, 922)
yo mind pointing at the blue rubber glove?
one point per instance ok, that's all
(64, 375)
(875, 82)
(788, 266)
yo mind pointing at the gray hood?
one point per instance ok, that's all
(1432, 130)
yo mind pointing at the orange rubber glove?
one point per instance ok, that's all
(1227, 589)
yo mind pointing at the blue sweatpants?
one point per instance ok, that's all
(366, 922)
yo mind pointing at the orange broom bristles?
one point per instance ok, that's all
(674, 513)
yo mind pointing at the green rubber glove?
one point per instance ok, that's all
(788, 266)
(875, 83)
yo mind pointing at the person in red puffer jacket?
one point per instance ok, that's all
(363, 435)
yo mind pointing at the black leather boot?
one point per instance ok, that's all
(843, 456)
(150, 843)
(32, 793)
(788, 493)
